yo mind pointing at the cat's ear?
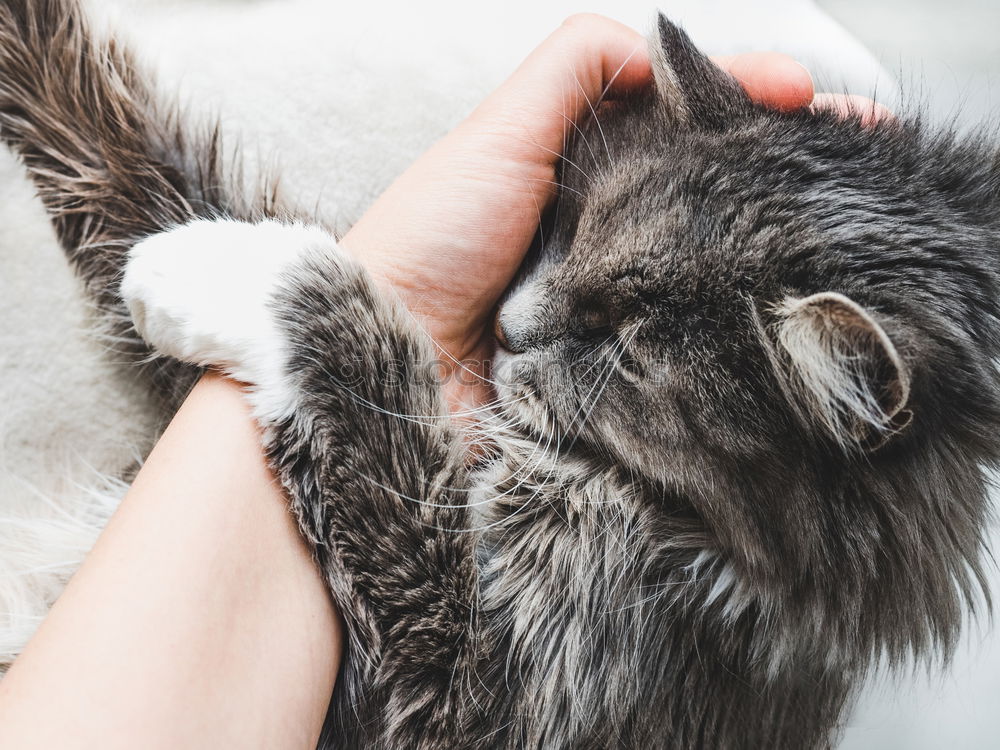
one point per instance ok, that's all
(691, 88)
(844, 368)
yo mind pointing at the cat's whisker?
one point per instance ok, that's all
(486, 408)
(539, 216)
(520, 470)
(465, 490)
(447, 354)
(520, 482)
(522, 473)
(572, 121)
(597, 120)
(558, 185)
(614, 77)
(582, 136)
(606, 371)
(622, 345)
(424, 503)
(564, 158)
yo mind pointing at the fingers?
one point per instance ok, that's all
(782, 83)
(590, 56)
(623, 65)
(771, 79)
(563, 77)
(852, 105)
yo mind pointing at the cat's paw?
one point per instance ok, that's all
(203, 292)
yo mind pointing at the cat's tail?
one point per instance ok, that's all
(110, 163)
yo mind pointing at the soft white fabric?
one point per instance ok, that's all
(343, 96)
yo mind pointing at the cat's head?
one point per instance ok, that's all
(786, 323)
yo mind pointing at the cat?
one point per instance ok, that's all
(746, 403)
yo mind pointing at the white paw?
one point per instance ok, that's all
(202, 293)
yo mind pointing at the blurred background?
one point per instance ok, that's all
(946, 52)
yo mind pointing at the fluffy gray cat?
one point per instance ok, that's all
(746, 389)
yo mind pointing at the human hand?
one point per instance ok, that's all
(450, 233)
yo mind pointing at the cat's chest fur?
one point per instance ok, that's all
(602, 617)
(577, 583)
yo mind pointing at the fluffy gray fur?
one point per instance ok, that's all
(747, 398)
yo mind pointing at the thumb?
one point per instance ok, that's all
(586, 58)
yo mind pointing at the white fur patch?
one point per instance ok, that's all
(202, 293)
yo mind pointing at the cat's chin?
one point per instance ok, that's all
(525, 415)
(521, 403)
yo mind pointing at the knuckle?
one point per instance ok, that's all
(584, 22)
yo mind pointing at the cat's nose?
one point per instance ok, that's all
(500, 334)
(515, 344)
(521, 323)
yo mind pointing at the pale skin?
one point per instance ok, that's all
(199, 619)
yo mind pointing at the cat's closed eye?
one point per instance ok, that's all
(598, 317)
(607, 323)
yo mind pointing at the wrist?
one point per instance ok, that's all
(456, 332)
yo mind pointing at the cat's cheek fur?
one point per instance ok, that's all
(203, 293)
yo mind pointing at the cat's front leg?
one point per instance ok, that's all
(355, 427)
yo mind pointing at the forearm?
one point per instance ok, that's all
(198, 620)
